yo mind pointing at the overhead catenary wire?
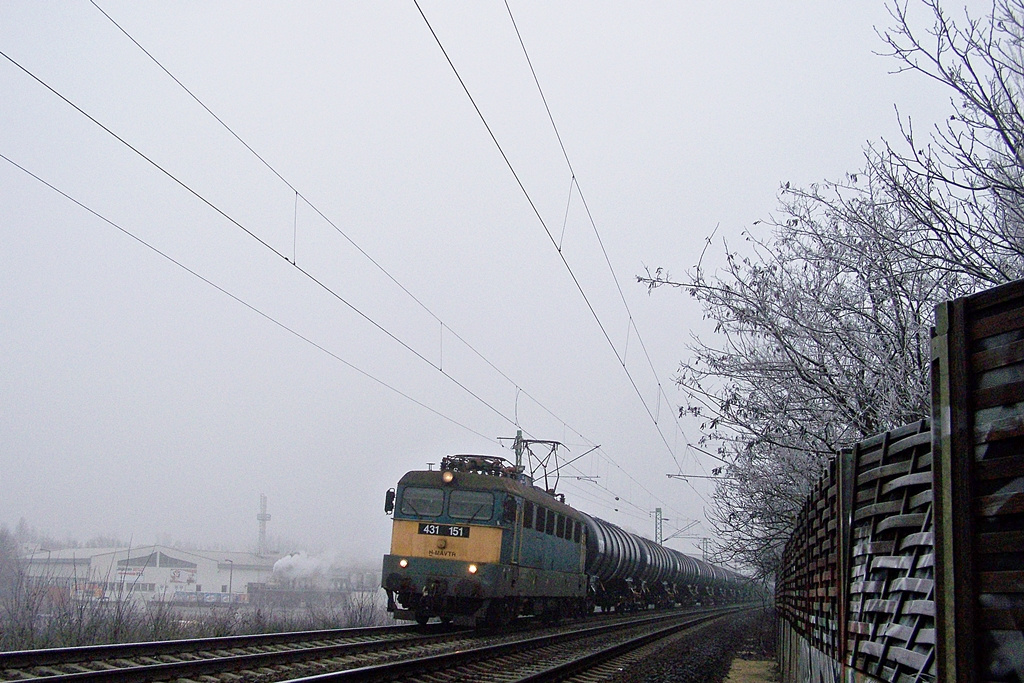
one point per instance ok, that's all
(262, 242)
(305, 273)
(316, 209)
(561, 255)
(266, 245)
(597, 234)
(307, 201)
(243, 302)
(548, 232)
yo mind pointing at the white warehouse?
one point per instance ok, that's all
(153, 572)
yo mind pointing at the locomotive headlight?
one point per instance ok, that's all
(472, 569)
(403, 563)
(447, 477)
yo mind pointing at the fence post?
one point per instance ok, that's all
(952, 454)
(847, 482)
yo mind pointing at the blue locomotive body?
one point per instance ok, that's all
(477, 543)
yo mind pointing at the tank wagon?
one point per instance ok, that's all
(478, 544)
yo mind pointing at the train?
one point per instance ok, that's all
(476, 543)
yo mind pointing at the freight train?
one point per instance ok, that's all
(477, 544)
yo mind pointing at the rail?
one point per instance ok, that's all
(359, 652)
(528, 659)
(206, 656)
(70, 655)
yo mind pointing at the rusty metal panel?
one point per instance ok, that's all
(978, 408)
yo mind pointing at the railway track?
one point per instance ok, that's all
(177, 659)
(573, 653)
(391, 653)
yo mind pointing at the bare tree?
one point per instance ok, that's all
(821, 340)
(964, 181)
(822, 325)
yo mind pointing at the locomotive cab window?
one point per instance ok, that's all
(476, 506)
(550, 526)
(560, 529)
(422, 502)
(576, 532)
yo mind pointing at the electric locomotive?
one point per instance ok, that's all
(476, 543)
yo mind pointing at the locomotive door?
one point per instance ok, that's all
(583, 547)
(517, 533)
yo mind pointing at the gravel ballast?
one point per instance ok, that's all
(705, 655)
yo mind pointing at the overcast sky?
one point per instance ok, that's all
(141, 400)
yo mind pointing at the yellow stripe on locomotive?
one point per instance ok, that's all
(470, 543)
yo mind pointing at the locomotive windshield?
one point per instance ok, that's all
(422, 502)
(472, 505)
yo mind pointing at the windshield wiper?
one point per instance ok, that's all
(475, 512)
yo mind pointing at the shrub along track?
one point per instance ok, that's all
(353, 654)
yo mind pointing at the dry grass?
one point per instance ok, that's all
(37, 614)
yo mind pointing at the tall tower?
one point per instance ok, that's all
(263, 518)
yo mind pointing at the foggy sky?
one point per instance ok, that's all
(140, 401)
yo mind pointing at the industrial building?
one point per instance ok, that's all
(153, 572)
(194, 577)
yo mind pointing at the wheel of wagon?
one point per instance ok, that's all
(500, 613)
(422, 618)
(552, 613)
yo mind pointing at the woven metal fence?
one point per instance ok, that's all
(856, 590)
(908, 565)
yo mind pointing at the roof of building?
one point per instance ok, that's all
(221, 557)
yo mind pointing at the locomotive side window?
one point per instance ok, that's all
(527, 514)
(475, 506)
(576, 532)
(509, 508)
(422, 502)
(542, 515)
(560, 529)
(550, 526)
